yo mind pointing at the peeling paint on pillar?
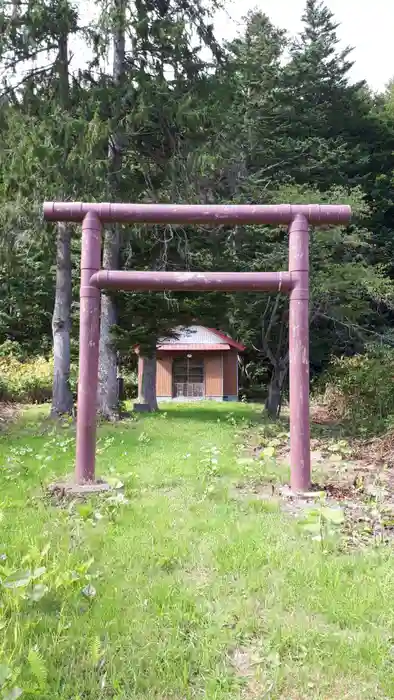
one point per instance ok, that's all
(299, 354)
(89, 336)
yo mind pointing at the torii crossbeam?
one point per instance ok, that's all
(294, 282)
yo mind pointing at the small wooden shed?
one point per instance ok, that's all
(199, 363)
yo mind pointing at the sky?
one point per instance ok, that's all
(367, 26)
(364, 25)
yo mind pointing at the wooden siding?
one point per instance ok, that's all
(221, 372)
(230, 373)
(164, 376)
(214, 374)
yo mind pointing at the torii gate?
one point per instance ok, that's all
(294, 282)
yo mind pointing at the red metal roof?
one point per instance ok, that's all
(184, 347)
(230, 341)
(187, 347)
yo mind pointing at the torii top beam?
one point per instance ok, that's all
(217, 214)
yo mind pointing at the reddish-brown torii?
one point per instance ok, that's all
(294, 281)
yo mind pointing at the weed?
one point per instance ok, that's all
(323, 521)
(165, 587)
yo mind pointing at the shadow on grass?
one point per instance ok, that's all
(213, 414)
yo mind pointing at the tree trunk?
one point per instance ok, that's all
(274, 399)
(108, 400)
(108, 386)
(273, 403)
(62, 399)
(148, 383)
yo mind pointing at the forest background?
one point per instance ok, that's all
(163, 111)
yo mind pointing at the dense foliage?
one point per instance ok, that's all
(243, 125)
(358, 389)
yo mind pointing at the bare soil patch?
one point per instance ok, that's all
(247, 665)
(8, 413)
(356, 476)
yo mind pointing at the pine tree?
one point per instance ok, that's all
(147, 132)
(323, 112)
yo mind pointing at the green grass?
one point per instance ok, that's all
(183, 590)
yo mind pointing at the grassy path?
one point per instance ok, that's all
(181, 591)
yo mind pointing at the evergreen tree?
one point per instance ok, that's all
(325, 115)
(168, 126)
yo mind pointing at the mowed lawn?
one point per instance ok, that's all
(173, 587)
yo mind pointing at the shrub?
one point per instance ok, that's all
(11, 348)
(29, 381)
(360, 389)
(130, 384)
(26, 382)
